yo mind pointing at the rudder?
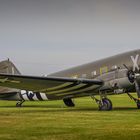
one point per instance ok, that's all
(7, 67)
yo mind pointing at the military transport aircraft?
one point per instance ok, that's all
(114, 75)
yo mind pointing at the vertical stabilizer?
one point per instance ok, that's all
(8, 67)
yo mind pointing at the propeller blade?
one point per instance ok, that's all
(137, 75)
(137, 88)
(126, 67)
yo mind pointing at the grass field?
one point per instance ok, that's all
(53, 121)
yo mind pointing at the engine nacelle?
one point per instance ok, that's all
(120, 83)
(116, 81)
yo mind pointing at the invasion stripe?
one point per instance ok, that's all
(43, 96)
(39, 96)
(25, 97)
(59, 87)
(30, 95)
(35, 97)
(84, 87)
(74, 87)
(68, 86)
(80, 88)
(80, 91)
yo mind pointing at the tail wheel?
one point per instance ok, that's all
(19, 104)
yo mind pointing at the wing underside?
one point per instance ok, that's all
(53, 87)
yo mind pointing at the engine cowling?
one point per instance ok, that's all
(117, 81)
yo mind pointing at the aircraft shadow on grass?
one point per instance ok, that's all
(56, 108)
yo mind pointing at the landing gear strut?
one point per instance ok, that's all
(19, 103)
(69, 102)
(137, 101)
(104, 104)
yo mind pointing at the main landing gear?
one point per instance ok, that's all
(19, 103)
(104, 104)
(69, 102)
(137, 101)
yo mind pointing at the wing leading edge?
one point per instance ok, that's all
(53, 86)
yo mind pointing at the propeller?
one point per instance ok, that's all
(133, 77)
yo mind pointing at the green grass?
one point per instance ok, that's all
(53, 121)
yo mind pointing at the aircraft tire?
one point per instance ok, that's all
(18, 105)
(138, 104)
(69, 102)
(106, 105)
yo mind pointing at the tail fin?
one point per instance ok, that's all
(8, 67)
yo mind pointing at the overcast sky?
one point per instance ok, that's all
(44, 36)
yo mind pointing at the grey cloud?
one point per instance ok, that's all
(56, 34)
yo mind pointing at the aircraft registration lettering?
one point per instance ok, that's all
(135, 62)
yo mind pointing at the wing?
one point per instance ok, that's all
(54, 87)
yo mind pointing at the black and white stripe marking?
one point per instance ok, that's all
(73, 89)
(33, 96)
